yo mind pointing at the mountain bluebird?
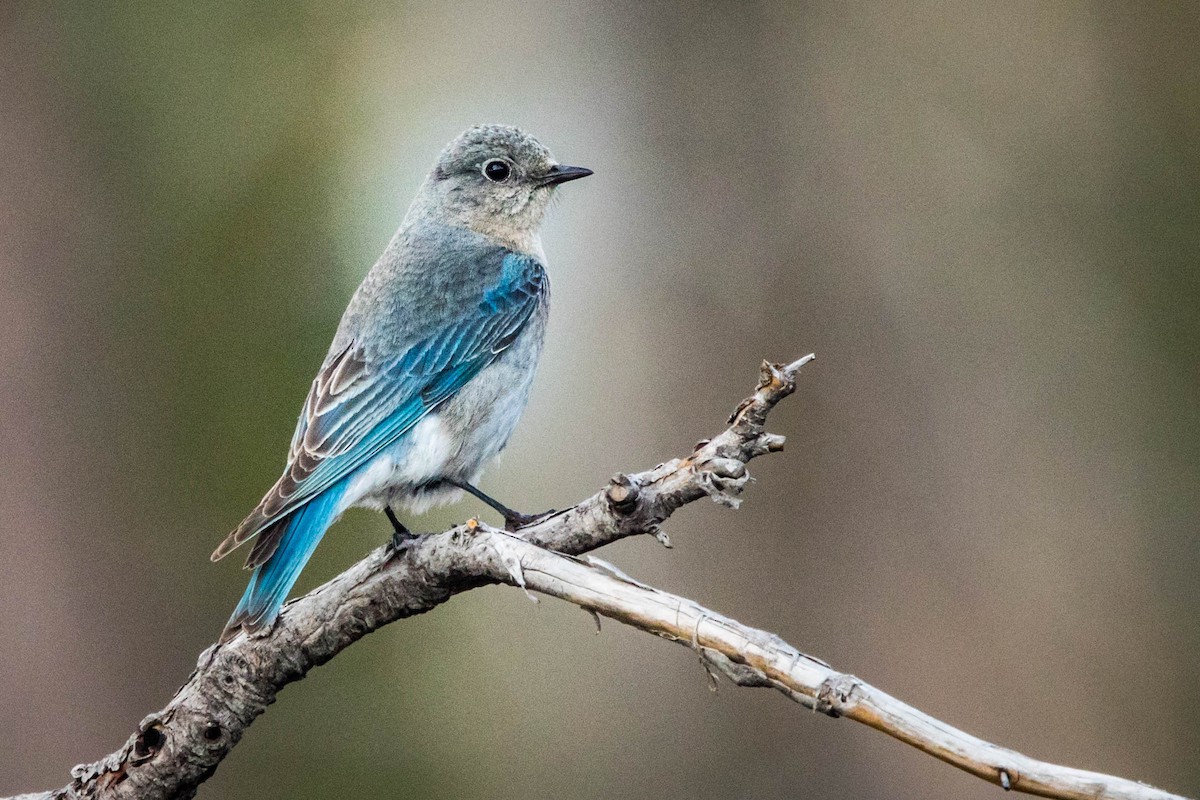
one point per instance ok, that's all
(430, 367)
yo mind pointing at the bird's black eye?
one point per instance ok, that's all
(496, 170)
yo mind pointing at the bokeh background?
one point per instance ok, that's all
(984, 218)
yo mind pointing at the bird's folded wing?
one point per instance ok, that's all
(355, 409)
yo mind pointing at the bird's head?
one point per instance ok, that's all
(496, 180)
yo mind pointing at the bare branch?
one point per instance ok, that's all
(751, 657)
(177, 748)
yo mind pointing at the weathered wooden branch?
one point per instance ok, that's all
(177, 748)
(752, 657)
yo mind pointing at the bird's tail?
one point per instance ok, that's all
(271, 581)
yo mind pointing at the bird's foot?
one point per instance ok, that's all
(515, 519)
(402, 537)
(401, 542)
(512, 519)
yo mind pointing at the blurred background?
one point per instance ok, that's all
(984, 218)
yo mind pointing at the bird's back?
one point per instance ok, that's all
(427, 277)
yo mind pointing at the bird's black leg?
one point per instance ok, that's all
(512, 519)
(401, 536)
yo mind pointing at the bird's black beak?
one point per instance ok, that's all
(561, 173)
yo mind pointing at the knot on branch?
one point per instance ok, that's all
(739, 674)
(151, 737)
(723, 479)
(767, 443)
(622, 493)
(837, 694)
(212, 732)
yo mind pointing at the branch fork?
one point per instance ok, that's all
(177, 748)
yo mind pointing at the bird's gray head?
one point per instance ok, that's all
(496, 180)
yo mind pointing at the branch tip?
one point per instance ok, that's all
(795, 366)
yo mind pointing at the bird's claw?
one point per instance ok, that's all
(516, 520)
(401, 542)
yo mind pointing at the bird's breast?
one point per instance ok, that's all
(457, 439)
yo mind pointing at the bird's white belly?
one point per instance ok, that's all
(455, 441)
(421, 456)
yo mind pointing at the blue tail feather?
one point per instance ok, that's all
(271, 582)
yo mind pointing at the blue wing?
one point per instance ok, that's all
(355, 409)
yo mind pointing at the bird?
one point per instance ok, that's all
(429, 370)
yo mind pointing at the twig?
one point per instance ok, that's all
(177, 748)
(751, 657)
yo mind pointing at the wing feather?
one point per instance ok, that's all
(354, 410)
